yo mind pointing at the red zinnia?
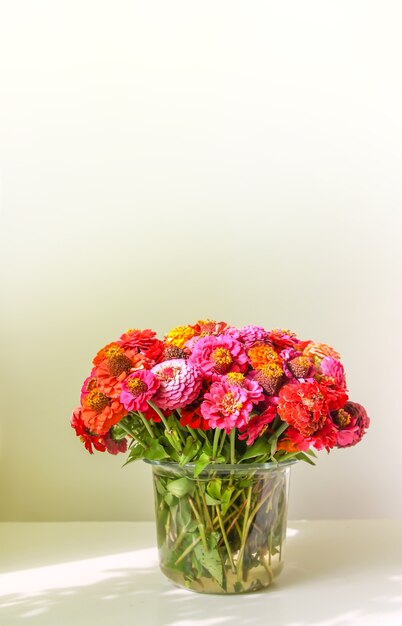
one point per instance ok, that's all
(304, 406)
(83, 433)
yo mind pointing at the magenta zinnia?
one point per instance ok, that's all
(137, 389)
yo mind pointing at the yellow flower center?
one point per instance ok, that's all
(230, 404)
(222, 359)
(235, 378)
(342, 418)
(271, 370)
(97, 401)
(136, 386)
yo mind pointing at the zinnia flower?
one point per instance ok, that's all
(100, 413)
(281, 338)
(333, 369)
(304, 406)
(226, 406)
(270, 376)
(180, 382)
(352, 422)
(112, 364)
(218, 355)
(261, 354)
(114, 446)
(88, 439)
(254, 391)
(293, 441)
(143, 340)
(258, 424)
(179, 335)
(249, 335)
(320, 350)
(192, 416)
(137, 389)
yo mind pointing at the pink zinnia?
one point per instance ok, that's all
(137, 389)
(226, 406)
(218, 355)
(255, 392)
(249, 335)
(333, 368)
(180, 382)
(295, 365)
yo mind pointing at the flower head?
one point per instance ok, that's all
(261, 354)
(112, 364)
(333, 369)
(249, 335)
(258, 424)
(100, 412)
(304, 406)
(226, 406)
(270, 376)
(179, 383)
(320, 350)
(114, 446)
(179, 335)
(137, 389)
(89, 440)
(218, 355)
(352, 422)
(281, 338)
(254, 391)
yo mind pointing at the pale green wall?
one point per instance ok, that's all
(163, 162)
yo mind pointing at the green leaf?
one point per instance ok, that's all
(155, 452)
(169, 499)
(311, 452)
(136, 452)
(303, 457)
(225, 500)
(214, 489)
(202, 462)
(190, 450)
(181, 487)
(211, 501)
(261, 446)
(211, 561)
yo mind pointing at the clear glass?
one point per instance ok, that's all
(224, 531)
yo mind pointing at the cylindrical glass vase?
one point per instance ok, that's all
(224, 531)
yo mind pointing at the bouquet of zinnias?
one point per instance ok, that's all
(220, 412)
(214, 393)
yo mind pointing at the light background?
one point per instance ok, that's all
(166, 161)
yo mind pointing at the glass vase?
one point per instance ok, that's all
(223, 531)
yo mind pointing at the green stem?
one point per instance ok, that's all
(215, 443)
(131, 434)
(225, 539)
(232, 446)
(168, 432)
(146, 424)
(201, 527)
(244, 536)
(222, 442)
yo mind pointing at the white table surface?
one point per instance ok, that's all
(60, 574)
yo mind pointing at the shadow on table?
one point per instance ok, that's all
(327, 589)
